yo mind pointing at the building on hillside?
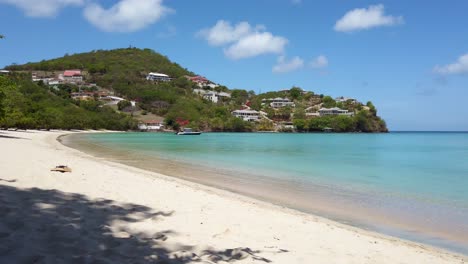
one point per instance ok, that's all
(4, 72)
(215, 96)
(334, 111)
(279, 102)
(110, 100)
(247, 115)
(72, 76)
(202, 81)
(83, 96)
(35, 77)
(200, 91)
(160, 77)
(343, 99)
(152, 125)
(53, 82)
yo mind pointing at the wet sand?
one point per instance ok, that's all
(390, 215)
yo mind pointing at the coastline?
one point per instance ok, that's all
(203, 217)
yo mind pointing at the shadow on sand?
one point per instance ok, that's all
(48, 226)
(7, 136)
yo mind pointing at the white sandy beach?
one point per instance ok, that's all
(103, 212)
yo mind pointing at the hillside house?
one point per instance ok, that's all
(334, 111)
(72, 76)
(215, 96)
(247, 115)
(279, 102)
(160, 77)
(202, 81)
(343, 99)
(83, 96)
(151, 125)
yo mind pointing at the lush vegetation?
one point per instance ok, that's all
(27, 105)
(124, 70)
(109, 68)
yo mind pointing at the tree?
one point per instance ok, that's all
(299, 113)
(328, 102)
(343, 123)
(300, 125)
(295, 92)
(1, 36)
(2, 111)
(123, 104)
(372, 108)
(239, 96)
(265, 125)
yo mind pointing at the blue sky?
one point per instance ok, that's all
(409, 58)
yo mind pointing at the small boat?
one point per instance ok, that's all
(188, 132)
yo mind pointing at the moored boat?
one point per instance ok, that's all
(188, 132)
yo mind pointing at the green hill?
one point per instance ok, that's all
(108, 67)
(27, 105)
(123, 71)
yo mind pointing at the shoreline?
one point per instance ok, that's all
(232, 220)
(364, 209)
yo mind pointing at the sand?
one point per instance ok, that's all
(104, 212)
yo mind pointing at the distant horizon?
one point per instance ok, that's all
(373, 51)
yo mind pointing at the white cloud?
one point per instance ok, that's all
(284, 65)
(243, 40)
(366, 18)
(42, 8)
(319, 63)
(126, 15)
(223, 32)
(255, 44)
(458, 67)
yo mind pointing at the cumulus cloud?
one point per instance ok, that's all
(366, 18)
(223, 32)
(283, 65)
(243, 40)
(458, 67)
(42, 8)
(319, 63)
(256, 44)
(126, 15)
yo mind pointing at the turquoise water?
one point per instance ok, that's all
(413, 185)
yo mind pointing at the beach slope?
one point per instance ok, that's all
(111, 213)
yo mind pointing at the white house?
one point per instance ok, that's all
(4, 72)
(113, 100)
(334, 111)
(279, 102)
(247, 115)
(152, 125)
(215, 96)
(53, 82)
(155, 76)
(343, 99)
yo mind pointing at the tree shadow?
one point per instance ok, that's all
(49, 226)
(8, 136)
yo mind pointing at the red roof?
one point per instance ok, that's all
(199, 79)
(70, 73)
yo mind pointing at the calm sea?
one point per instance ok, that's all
(407, 184)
